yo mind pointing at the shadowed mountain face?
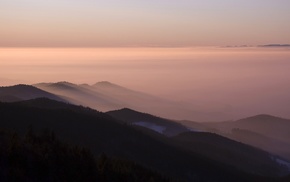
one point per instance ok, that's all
(264, 131)
(261, 141)
(160, 125)
(105, 96)
(228, 151)
(101, 133)
(24, 92)
(44, 158)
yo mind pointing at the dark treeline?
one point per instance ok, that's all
(44, 158)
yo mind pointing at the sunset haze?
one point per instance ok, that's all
(145, 90)
(64, 23)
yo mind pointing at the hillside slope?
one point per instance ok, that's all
(161, 125)
(264, 131)
(24, 92)
(101, 133)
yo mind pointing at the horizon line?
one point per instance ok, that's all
(158, 46)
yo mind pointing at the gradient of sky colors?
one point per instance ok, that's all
(75, 23)
(238, 81)
(146, 45)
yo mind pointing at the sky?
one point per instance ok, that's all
(161, 23)
(239, 81)
(176, 49)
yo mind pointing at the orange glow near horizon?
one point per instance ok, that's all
(54, 56)
(78, 64)
(248, 77)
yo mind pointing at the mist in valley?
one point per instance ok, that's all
(205, 84)
(145, 91)
(220, 97)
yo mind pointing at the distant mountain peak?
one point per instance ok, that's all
(275, 45)
(105, 83)
(65, 83)
(52, 83)
(263, 117)
(131, 111)
(58, 85)
(84, 85)
(19, 85)
(25, 92)
(127, 109)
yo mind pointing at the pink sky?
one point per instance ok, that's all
(117, 30)
(254, 80)
(115, 23)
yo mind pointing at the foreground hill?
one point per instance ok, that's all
(210, 145)
(272, 145)
(24, 92)
(160, 125)
(103, 134)
(45, 158)
(230, 152)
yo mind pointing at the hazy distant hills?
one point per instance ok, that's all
(24, 92)
(264, 131)
(275, 45)
(106, 96)
(80, 95)
(122, 132)
(270, 126)
(160, 125)
(177, 157)
(274, 127)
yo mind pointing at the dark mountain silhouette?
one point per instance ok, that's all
(44, 158)
(161, 125)
(264, 131)
(258, 140)
(24, 92)
(102, 134)
(228, 151)
(9, 98)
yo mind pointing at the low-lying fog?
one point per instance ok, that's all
(237, 81)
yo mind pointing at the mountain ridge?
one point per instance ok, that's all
(101, 133)
(261, 127)
(170, 128)
(26, 92)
